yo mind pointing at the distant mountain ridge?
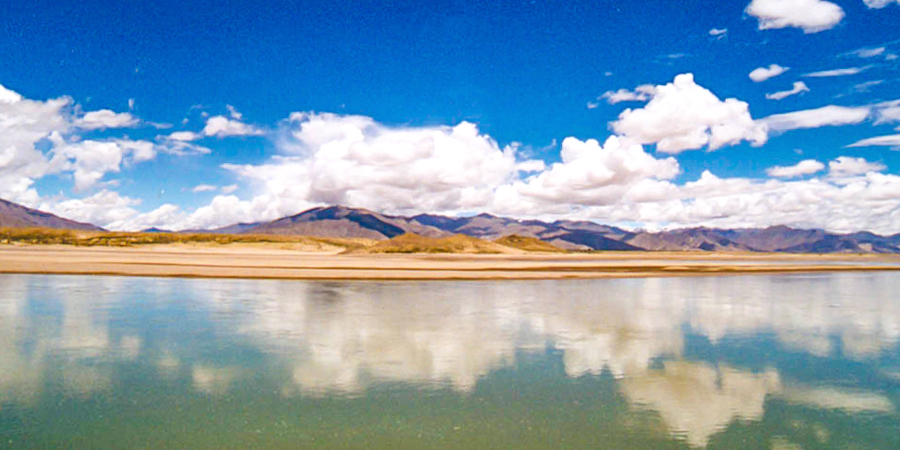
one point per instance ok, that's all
(346, 222)
(342, 221)
(13, 215)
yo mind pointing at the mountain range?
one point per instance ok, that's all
(345, 222)
(340, 221)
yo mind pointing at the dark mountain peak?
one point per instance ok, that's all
(156, 230)
(334, 212)
(440, 222)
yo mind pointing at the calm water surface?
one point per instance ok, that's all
(773, 362)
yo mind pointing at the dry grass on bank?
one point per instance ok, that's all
(49, 236)
(528, 244)
(413, 243)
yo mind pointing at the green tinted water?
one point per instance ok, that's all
(781, 362)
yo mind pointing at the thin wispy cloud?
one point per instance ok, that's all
(866, 52)
(879, 141)
(837, 72)
(799, 87)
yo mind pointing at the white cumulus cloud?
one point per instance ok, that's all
(591, 174)
(812, 16)
(760, 74)
(41, 138)
(683, 115)
(869, 201)
(184, 136)
(105, 118)
(848, 166)
(90, 160)
(354, 160)
(221, 126)
(102, 208)
(24, 124)
(805, 167)
(640, 94)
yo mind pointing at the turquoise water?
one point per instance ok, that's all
(773, 362)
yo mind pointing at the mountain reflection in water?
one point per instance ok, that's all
(702, 353)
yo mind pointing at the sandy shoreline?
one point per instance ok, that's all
(272, 262)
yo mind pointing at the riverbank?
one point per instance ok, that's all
(275, 262)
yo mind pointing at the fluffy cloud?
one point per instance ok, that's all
(104, 118)
(718, 32)
(805, 167)
(760, 74)
(798, 88)
(683, 115)
(40, 138)
(836, 72)
(869, 201)
(591, 174)
(878, 4)
(226, 210)
(880, 141)
(221, 126)
(24, 124)
(113, 211)
(640, 94)
(89, 161)
(830, 115)
(845, 166)
(812, 16)
(185, 136)
(157, 218)
(354, 160)
(102, 208)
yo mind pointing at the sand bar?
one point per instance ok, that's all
(271, 261)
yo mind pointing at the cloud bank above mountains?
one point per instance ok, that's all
(327, 158)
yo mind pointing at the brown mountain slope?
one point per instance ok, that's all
(339, 221)
(13, 215)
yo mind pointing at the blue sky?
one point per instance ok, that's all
(379, 90)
